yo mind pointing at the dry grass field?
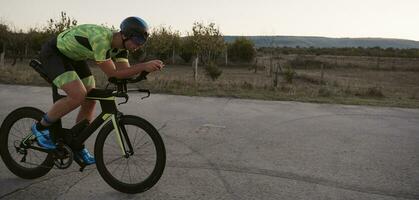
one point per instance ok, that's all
(362, 84)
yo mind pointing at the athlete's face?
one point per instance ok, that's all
(132, 46)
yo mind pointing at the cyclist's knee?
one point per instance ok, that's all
(76, 92)
(89, 103)
(78, 97)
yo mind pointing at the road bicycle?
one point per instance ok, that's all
(129, 151)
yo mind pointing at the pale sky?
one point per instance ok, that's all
(329, 18)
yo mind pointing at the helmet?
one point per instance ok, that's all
(136, 29)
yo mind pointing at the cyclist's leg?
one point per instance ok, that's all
(58, 69)
(76, 92)
(87, 106)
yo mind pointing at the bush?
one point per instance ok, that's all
(246, 85)
(213, 71)
(374, 92)
(325, 92)
(289, 74)
(242, 49)
(305, 62)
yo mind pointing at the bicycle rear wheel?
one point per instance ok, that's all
(135, 173)
(22, 161)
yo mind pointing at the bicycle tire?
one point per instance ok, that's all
(5, 132)
(155, 175)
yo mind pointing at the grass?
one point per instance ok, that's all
(339, 86)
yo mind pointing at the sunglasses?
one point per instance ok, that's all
(139, 40)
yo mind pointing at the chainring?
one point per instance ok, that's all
(63, 157)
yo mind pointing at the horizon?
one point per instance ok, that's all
(308, 36)
(381, 19)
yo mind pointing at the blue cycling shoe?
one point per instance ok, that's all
(87, 158)
(43, 138)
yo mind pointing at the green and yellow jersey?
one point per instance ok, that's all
(90, 42)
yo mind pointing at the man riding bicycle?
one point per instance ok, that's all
(64, 60)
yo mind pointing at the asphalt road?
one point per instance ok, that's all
(221, 148)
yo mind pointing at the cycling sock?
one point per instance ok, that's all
(44, 123)
(40, 127)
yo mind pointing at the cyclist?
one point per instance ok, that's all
(64, 60)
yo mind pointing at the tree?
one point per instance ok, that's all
(186, 48)
(37, 38)
(4, 35)
(242, 49)
(163, 43)
(208, 42)
(56, 26)
(17, 42)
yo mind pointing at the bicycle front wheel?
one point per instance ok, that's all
(143, 167)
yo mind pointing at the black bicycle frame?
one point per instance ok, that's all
(109, 113)
(77, 135)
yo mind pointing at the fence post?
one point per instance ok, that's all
(2, 55)
(336, 61)
(256, 65)
(195, 68)
(270, 66)
(276, 74)
(173, 56)
(322, 73)
(226, 56)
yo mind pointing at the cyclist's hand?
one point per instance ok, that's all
(153, 65)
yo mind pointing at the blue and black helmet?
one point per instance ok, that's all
(136, 29)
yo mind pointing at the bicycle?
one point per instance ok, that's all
(26, 159)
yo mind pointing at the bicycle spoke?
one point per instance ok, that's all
(136, 135)
(124, 170)
(117, 166)
(36, 155)
(135, 144)
(144, 145)
(135, 168)
(17, 130)
(12, 134)
(140, 166)
(113, 146)
(129, 171)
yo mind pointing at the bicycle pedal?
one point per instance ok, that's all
(80, 162)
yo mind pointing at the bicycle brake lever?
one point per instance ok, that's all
(126, 99)
(145, 91)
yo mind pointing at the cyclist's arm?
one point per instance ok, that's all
(110, 69)
(122, 65)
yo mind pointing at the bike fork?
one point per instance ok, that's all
(122, 137)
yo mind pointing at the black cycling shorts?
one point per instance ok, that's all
(61, 69)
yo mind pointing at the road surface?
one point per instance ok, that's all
(222, 148)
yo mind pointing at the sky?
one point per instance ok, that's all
(328, 18)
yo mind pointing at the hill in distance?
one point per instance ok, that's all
(325, 42)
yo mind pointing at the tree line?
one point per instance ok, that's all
(205, 41)
(347, 51)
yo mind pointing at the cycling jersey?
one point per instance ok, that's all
(89, 41)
